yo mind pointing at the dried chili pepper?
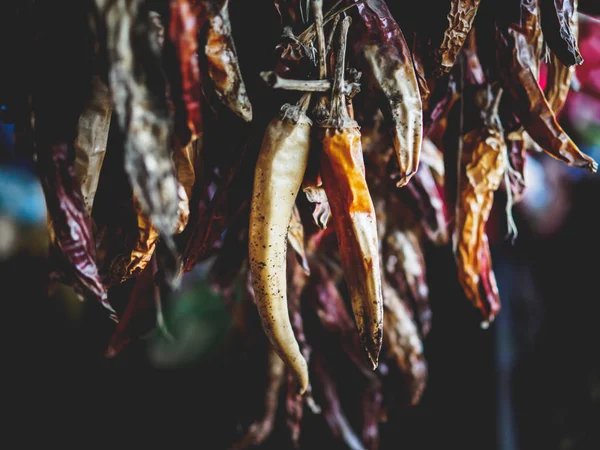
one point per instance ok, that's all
(90, 144)
(187, 17)
(139, 94)
(278, 175)
(403, 345)
(223, 66)
(406, 271)
(517, 66)
(427, 190)
(329, 306)
(382, 54)
(483, 164)
(353, 213)
(260, 430)
(460, 20)
(71, 229)
(557, 17)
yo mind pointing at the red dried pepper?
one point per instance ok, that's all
(427, 190)
(71, 228)
(406, 271)
(187, 17)
(517, 66)
(557, 17)
(382, 54)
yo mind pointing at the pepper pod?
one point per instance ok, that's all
(380, 51)
(352, 210)
(277, 179)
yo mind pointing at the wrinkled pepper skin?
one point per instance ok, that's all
(557, 17)
(71, 228)
(559, 76)
(187, 17)
(380, 51)
(92, 137)
(403, 345)
(460, 20)
(518, 76)
(277, 179)
(354, 222)
(484, 162)
(138, 90)
(222, 61)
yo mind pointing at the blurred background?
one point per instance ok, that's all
(531, 381)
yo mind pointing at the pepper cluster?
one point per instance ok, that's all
(313, 171)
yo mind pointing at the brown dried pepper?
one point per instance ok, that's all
(460, 20)
(517, 66)
(223, 65)
(138, 89)
(92, 137)
(483, 162)
(557, 17)
(382, 54)
(353, 213)
(278, 175)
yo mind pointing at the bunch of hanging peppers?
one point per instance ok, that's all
(309, 150)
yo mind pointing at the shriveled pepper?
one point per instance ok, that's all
(460, 20)
(278, 175)
(380, 51)
(517, 67)
(92, 137)
(187, 16)
(483, 164)
(353, 213)
(70, 225)
(138, 90)
(223, 65)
